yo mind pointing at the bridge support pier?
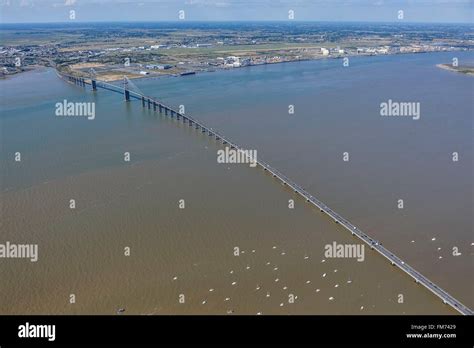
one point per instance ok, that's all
(160, 108)
(127, 95)
(143, 101)
(149, 104)
(94, 85)
(166, 111)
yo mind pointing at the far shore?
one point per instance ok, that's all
(112, 77)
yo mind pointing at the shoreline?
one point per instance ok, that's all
(441, 66)
(263, 64)
(28, 68)
(465, 70)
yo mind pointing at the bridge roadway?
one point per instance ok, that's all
(355, 231)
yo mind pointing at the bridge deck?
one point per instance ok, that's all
(355, 231)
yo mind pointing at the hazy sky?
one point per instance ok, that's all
(227, 10)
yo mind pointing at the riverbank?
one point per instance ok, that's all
(115, 76)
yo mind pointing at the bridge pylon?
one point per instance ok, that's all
(129, 86)
(93, 77)
(125, 88)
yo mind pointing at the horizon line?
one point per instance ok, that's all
(235, 21)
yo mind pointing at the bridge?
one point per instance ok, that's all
(129, 90)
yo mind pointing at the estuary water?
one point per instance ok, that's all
(158, 234)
